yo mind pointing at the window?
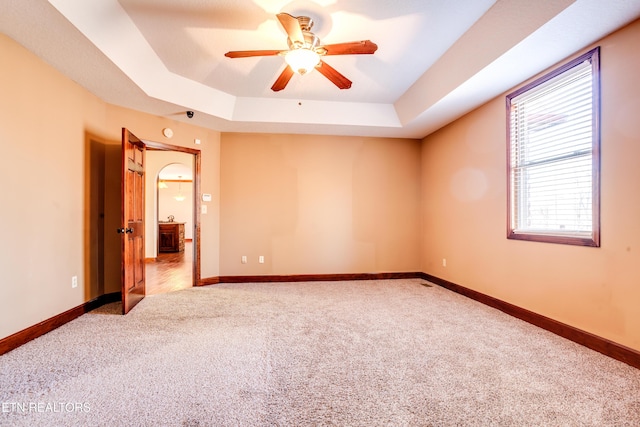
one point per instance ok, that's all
(554, 156)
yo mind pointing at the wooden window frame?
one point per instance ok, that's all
(568, 238)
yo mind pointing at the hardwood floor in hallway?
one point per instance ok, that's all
(170, 271)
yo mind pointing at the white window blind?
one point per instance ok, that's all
(553, 155)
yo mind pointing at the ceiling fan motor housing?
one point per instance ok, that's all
(311, 41)
(306, 23)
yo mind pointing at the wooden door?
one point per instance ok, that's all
(133, 153)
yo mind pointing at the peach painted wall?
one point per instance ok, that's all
(61, 149)
(47, 125)
(464, 213)
(319, 204)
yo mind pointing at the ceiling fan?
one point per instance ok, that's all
(305, 52)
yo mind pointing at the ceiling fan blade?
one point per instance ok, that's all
(352, 48)
(249, 53)
(292, 27)
(329, 72)
(283, 79)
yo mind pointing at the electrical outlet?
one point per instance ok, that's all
(74, 281)
(444, 262)
(261, 259)
(244, 259)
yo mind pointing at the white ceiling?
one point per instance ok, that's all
(436, 60)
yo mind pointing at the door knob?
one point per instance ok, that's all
(128, 230)
(120, 230)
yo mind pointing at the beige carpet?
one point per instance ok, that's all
(364, 353)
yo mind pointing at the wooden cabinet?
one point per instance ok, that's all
(171, 237)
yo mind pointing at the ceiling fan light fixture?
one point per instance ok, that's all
(302, 60)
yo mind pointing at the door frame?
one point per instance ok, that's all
(197, 170)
